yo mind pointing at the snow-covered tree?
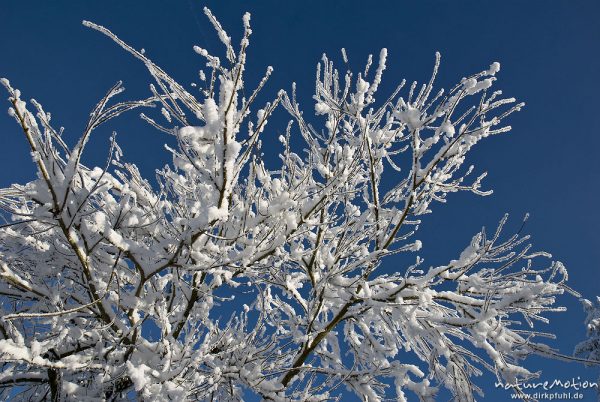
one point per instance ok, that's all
(589, 349)
(112, 286)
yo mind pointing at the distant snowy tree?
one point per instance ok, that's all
(590, 348)
(112, 287)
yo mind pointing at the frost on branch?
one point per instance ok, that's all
(112, 286)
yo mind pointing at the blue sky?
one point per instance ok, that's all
(547, 165)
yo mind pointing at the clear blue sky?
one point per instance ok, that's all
(547, 165)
